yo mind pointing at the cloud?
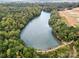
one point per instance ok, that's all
(40, 0)
(9, 0)
(17, 0)
(51, 0)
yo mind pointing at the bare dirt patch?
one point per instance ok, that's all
(71, 16)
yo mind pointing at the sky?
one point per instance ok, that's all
(40, 0)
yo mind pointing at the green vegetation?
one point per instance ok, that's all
(76, 44)
(61, 29)
(12, 21)
(64, 32)
(61, 52)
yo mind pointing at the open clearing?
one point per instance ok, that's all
(71, 16)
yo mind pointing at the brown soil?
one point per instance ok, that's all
(68, 15)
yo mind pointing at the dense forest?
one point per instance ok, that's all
(45, 6)
(14, 17)
(64, 32)
(12, 20)
(61, 29)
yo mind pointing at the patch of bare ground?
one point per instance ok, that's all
(73, 52)
(71, 16)
(60, 46)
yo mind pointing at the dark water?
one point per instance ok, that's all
(37, 33)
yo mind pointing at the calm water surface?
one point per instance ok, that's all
(37, 33)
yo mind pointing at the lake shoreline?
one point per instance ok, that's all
(49, 26)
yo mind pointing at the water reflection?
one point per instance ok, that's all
(37, 33)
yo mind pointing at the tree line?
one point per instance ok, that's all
(61, 29)
(12, 21)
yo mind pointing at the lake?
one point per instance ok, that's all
(38, 33)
